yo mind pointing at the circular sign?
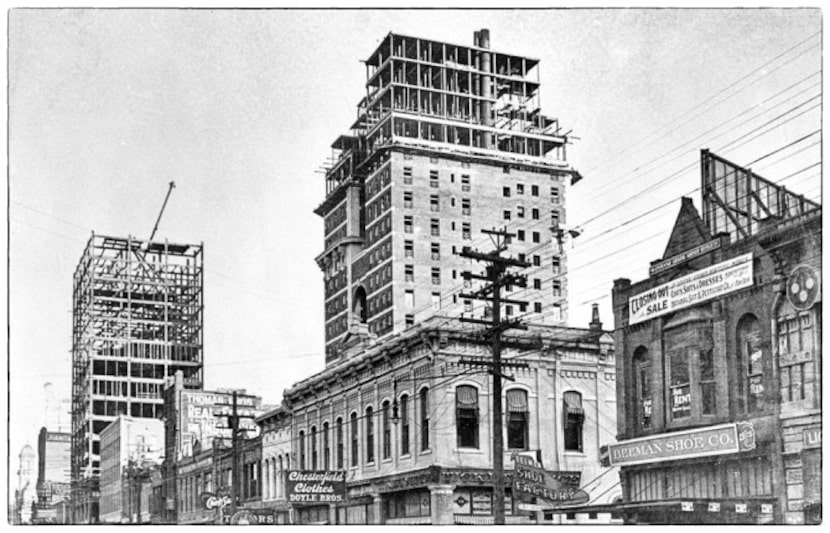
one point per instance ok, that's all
(802, 287)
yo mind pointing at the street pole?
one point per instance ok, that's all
(498, 426)
(496, 277)
(234, 456)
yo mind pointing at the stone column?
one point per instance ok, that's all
(440, 503)
(377, 508)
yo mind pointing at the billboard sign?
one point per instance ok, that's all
(315, 486)
(712, 440)
(692, 289)
(683, 257)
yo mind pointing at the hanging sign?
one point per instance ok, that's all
(554, 489)
(692, 289)
(315, 486)
(802, 287)
(214, 501)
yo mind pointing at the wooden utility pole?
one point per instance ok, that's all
(497, 278)
(234, 420)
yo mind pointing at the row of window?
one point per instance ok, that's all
(334, 450)
(326, 449)
(435, 203)
(690, 368)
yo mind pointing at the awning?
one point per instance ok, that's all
(517, 401)
(573, 404)
(467, 396)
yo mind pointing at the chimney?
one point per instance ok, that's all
(595, 324)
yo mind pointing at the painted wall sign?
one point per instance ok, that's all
(214, 501)
(812, 438)
(713, 440)
(314, 487)
(692, 289)
(688, 255)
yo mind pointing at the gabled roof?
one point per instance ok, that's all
(688, 231)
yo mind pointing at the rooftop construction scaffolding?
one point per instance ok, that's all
(137, 318)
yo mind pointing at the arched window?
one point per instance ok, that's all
(313, 438)
(642, 387)
(466, 416)
(279, 477)
(370, 435)
(339, 442)
(354, 430)
(574, 416)
(387, 432)
(424, 397)
(302, 450)
(326, 447)
(750, 364)
(404, 414)
(517, 419)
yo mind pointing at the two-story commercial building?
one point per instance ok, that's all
(718, 358)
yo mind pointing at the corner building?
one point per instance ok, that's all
(448, 141)
(719, 361)
(408, 418)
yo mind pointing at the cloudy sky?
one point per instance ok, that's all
(239, 109)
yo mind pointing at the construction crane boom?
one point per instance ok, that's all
(156, 227)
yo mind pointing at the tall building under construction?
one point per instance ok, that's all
(449, 140)
(137, 318)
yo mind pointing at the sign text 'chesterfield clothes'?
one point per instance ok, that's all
(713, 440)
(306, 486)
(686, 291)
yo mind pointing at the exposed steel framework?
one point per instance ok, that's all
(137, 318)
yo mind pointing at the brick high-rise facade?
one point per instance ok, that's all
(449, 140)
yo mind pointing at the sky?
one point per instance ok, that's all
(239, 108)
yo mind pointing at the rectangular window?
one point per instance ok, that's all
(433, 179)
(435, 251)
(554, 218)
(409, 298)
(520, 234)
(517, 419)
(556, 266)
(537, 283)
(507, 215)
(520, 188)
(407, 224)
(537, 307)
(436, 301)
(409, 273)
(556, 288)
(505, 191)
(408, 249)
(404, 425)
(534, 214)
(468, 306)
(537, 260)
(679, 387)
(520, 212)
(534, 190)
(370, 435)
(574, 416)
(554, 195)
(465, 182)
(465, 206)
(435, 227)
(407, 175)
(387, 432)
(339, 440)
(707, 382)
(556, 312)
(508, 310)
(466, 233)
(424, 419)
(536, 236)
(466, 416)
(434, 203)
(436, 276)
(407, 199)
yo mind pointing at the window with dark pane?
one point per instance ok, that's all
(466, 416)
